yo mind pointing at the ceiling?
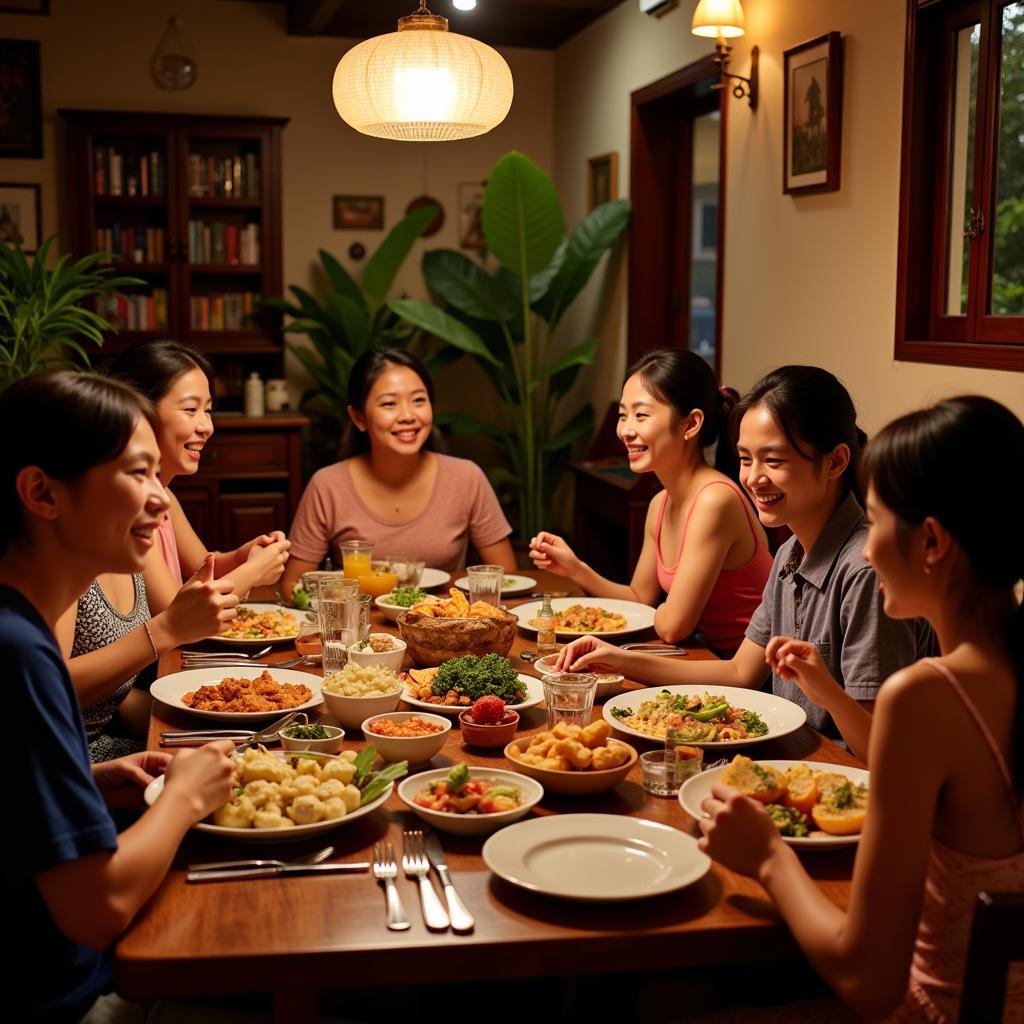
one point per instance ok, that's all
(540, 24)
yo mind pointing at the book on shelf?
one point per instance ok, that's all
(132, 245)
(233, 177)
(222, 311)
(223, 244)
(117, 174)
(136, 312)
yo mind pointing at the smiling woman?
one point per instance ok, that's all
(393, 489)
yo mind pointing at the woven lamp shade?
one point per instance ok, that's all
(422, 84)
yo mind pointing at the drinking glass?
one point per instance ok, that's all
(485, 583)
(311, 582)
(569, 697)
(408, 570)
(658, 768)
(355, 558)
(381, 579)
(687, 760)
(342, 616)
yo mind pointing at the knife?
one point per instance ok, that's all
(462, 920)
(349, 867)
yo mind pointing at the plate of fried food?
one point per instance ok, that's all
(242, 694)
(575, 616)
(259, 624)
(286, 797)
(573, 760)
(813, 804)
(459, 682)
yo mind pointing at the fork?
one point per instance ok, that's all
(216, 655)
(416, 865)
(385, 869)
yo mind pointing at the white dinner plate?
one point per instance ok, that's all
(509, 584)
(780, 715)
(638, 616)
(432, 578)
(271, 835)
(392, 611)
(698, 788)
(595, 857)
(170, 689)
(259, 609)
(534, 696)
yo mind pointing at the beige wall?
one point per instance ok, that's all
(96, 53)
(806, 280)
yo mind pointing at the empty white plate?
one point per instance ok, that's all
(595, 857)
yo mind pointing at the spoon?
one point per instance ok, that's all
(225, 865)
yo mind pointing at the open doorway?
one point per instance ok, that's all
(677, 167)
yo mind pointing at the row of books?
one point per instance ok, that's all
(227, 311)
(223, 243)
(122, 174)
(137, 312)
(132, 245)
(233, 177)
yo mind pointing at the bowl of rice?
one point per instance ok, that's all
(359, 691)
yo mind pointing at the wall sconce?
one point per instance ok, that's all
(721, 20)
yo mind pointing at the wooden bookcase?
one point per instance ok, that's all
(191, 204)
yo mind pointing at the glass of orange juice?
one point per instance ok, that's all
(380, 580)
(355, 558)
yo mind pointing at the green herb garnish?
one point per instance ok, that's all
(301, 597)
(406, 596)
(753, 723)
(314, 731)
(621, 712)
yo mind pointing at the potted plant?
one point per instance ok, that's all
(43, 321)
(507, 323)
(348, 319)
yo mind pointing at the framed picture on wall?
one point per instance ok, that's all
(21, 106)
(602, 179)
(21, 221)
(359, 213)
(471, 223)
(813, 116)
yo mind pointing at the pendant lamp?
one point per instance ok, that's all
(422, 83)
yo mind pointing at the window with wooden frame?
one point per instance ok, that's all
(960, 285)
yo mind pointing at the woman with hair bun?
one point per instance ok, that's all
(703, 546)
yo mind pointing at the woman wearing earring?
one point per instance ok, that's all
(393, 488)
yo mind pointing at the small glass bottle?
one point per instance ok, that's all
(254, 395)
(546, 642)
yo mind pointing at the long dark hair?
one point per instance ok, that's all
(814, 411)
(363, 375)
(682, 380)
(961, 462)
(65, 423)
(153, 365)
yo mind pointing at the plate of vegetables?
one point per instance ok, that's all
(470, 801)
(459, 683)
(401, 599)
(727, 716)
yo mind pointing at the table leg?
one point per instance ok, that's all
(295, 1007)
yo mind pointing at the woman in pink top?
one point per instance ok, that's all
(945, 819)
(393, 489)
(702, 545)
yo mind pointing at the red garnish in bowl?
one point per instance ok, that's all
(488, 710)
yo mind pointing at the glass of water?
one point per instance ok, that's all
(343, 620)
(569, 698)
(485, 583)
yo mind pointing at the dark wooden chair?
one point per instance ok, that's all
(997, 940)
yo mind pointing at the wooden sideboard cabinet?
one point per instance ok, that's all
(249, 481)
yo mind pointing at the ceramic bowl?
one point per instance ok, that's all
(414, 749)
(351, 712)
(608, 684)
(496, 735)
(331, 745)
(572, 783)
(385, 659)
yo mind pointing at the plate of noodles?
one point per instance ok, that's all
(576, 616)
(259, 624)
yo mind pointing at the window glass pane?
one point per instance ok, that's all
(1008, 224)
(704, 218)
(966, 44)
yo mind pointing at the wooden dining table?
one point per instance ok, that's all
(294, 937)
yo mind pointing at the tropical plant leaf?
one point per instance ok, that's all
(579, 355)
(341, 280)
(437, 322)
(579, 426)
(592, 238)
(442, 359)
(466, 286)
(351, 317)
(383, 265)
(463, 423)
(522, 215)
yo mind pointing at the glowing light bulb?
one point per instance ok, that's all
(464, 5)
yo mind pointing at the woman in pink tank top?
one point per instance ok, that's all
(702, 546)
(945, 816)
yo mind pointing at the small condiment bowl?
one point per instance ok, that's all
(330, 745)
(496, 735)
(385, 659)
(609, 684)
(414, 749)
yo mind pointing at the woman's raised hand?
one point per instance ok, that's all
(199, 609)
(588, 654)
(203, 776)
(800, 661)
(267, 556)
(548, 551)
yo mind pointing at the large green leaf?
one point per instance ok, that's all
(579, 355)
(352, 318)
(522, 215)
(466, 286)
(579, 426)
(437, 322)
(594, 235)
(341, 280)
(463, 423)
(383, 265)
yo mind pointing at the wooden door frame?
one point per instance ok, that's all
(651, 189)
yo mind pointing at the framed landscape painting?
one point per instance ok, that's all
(20, 216)
(355, 213)
(813, 116)
(21, 108)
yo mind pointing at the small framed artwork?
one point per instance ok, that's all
(358, 213)
(813, 116)
(21, 221)
(471, 215)
(602, 179)
(24, 6)
(21, 107)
